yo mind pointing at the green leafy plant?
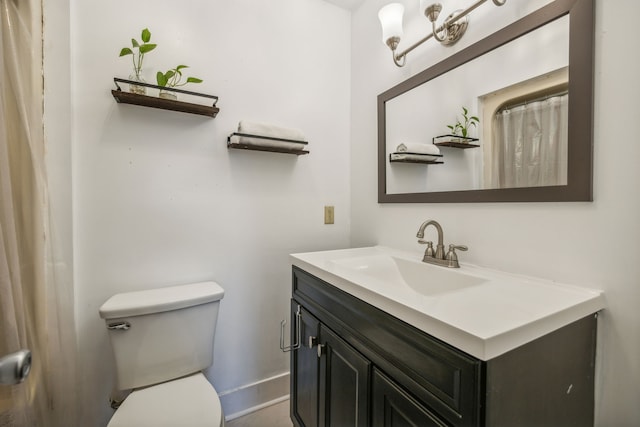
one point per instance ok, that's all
(173, 77)
(138, 50)
(461, 128)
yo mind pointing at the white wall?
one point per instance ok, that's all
(158, 199)
(592, 244)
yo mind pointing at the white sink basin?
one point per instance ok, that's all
(425, 279)
(481, 311)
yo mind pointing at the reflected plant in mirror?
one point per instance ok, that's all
(462, 128)
(533, 75)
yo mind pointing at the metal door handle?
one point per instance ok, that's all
(15, 367)
(298, 340)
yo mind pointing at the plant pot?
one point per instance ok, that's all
(165, 94)
(133, 88)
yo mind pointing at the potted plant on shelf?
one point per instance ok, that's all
(173, 78)
(460, 130)
(137, 58)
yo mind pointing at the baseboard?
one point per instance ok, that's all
(252, 397)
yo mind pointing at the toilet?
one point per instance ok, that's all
(162, 339)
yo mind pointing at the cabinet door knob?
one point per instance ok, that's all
(320, 349)
(312, 341)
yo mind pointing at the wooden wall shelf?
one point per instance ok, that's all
(462, 145)
(124, 97)
(254, 147)
(425, 159)
(271, 149)
(424, 162)
(455, 141)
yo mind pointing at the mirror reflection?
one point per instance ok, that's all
(519, 94)
(518, 151)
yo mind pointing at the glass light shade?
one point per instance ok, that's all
(391, 20)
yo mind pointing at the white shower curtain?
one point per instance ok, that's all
(36, 307)
(530, 144)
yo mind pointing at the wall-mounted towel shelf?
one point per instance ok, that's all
(164, 104)
(405, 157)
(455, 141)
(266, 143)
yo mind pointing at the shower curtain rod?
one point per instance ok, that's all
(529, 101)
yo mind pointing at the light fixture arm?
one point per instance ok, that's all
(436, 33)
(432, 12)
(448, 33)
(392, 42)
(403, 54)
(471, 8)
(396, 60)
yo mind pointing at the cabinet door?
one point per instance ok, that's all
(393, 407)
(304, 371)
(344, 383)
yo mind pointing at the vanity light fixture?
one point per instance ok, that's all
(448, 33)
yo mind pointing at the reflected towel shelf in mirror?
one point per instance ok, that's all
(405, 157)
(455, 141)
(245, 141)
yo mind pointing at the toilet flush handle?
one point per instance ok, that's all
(120, 326)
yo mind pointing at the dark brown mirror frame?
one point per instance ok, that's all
(580, 147)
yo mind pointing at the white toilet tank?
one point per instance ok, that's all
(162, 334)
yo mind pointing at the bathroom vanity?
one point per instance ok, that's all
(385, 340)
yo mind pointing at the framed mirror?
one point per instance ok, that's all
(564, 66)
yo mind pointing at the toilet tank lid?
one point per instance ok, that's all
(149, 301)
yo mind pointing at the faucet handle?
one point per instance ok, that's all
(452, 257)
(429, 252)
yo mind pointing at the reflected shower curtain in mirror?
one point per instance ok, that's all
(530, 144)
(36, 294)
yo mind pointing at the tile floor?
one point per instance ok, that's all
(272, 416)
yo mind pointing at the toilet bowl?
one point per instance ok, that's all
(162, 339)
(190, 401)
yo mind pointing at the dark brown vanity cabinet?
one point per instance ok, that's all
(394, 407)
(304, 361)
(332, 378)
(359, 366)
(344, 383)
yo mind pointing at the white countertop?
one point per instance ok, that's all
(496, 313)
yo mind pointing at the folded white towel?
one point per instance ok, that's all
(418, 148)
(262, 129)
(414, 157)
(260, 142)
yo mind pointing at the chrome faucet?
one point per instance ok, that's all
(438, 256)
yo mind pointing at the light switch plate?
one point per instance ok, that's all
(328, 215)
